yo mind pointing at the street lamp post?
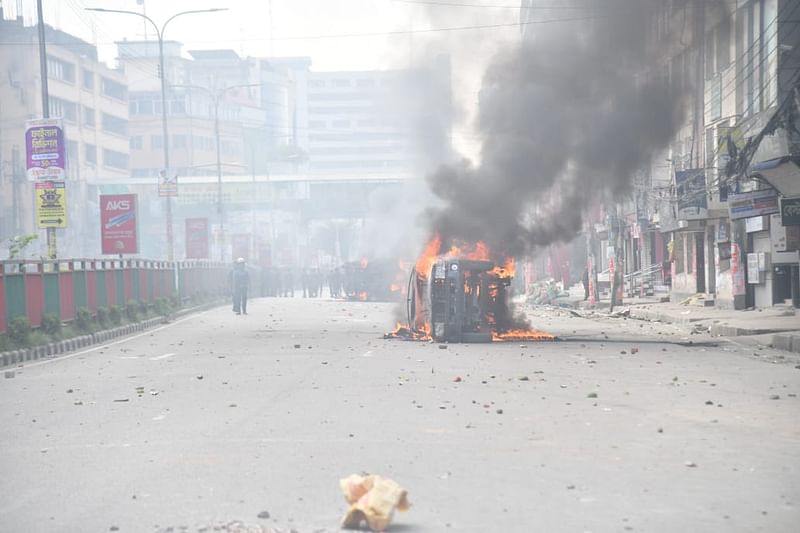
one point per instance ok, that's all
(162, 75)
(216, 99)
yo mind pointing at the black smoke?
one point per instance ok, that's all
(567, 117)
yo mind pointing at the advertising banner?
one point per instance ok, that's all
(197, 238)
(118, 224)
(691, 189)
(45, 149)
(51, 204)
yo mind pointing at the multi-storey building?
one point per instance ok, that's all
(91, 99)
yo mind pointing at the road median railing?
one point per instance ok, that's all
(34, 289)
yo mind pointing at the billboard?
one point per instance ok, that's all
(753, 204)
(51, 204)
(118, 224)
(197, 238)
(690, 186)
(45, 149)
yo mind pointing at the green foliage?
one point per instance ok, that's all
(17, 245)
(51, 325)
(102, 317)
(132, 310)
(162, 307)
(115, 315)
(19, 330)
(83, 320)
(144, 310)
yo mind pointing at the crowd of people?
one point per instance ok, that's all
(282, 282)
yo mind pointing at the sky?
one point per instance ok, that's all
(331, 32)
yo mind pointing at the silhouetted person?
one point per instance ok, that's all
(239, 280)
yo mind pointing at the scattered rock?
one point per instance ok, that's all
(690, 464)
(775, 397)
(263, 515)
(623, 352)
(523, 378)
(570, 487)
(634, 350)
(297, 346)
(661, 430)
(592, 395)
(458, 379)
(70, 391)
(9, 374)
(442, 346)
(499, 411)
(113, 528)
(199, 377)
(709, 402)
(121, 400)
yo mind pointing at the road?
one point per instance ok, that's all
(215, 418)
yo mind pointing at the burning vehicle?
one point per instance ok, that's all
(460, 295)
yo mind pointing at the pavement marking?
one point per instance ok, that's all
(159, 357)
(126, 339)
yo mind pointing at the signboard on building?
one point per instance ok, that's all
(690, 186)
(790, 211)
(45, 149)
(755, 224)
(197, 238)
(118, 224)
(167, 184)
(752, 204)
(51, 204)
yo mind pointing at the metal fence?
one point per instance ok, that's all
(34, 288)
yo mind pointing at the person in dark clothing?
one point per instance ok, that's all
(239, 280)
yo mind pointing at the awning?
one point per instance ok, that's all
(783, 173)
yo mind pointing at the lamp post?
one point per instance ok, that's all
(162, 75)
(216, 99)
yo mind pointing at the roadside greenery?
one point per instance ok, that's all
(21, 335)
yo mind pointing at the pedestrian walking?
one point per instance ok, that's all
(239, 282)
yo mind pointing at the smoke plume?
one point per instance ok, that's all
(566, 116)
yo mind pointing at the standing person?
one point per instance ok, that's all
(585, 282)
(240, 280)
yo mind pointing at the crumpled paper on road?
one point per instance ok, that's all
(373, 500)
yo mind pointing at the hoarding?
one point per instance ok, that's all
(118, 224)
(790, 211)
(51, 204)
(45, 149)
(197, 238)
(167, 184)
(752, 204)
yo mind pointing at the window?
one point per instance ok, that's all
(114, 89)
(316, 84)
(136, 142)
(58, 69)
(88, 116)
(156, 142)
(91, 153)
(114, 124)
(341, 124)
(88, 79)
(317, 124)
(366, 123)
(115, 159)
(179, 141)
(341, 83)
(365, 83)
(63, 108)
(177, 107)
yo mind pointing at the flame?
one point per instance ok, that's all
(402, 331)
(428, 256)
(363, 296)
(516, 335)
(364, 262)
(394, 287)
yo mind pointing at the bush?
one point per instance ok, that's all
(115, 315)
(102, 317)
(51, 324)
(83, 320)
(143, 309)
(132, 310)
(19, 330)
(162, 307)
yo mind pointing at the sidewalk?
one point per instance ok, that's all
(779, 327)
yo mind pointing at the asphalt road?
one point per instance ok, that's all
(215, 418)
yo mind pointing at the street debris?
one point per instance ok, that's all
(690, 464)
(9, 374)
(458, 379)
(373, 500)
(592, 395)
(263, 515)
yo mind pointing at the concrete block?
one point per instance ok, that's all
(782, 342)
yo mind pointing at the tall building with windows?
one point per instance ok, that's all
(91, 98)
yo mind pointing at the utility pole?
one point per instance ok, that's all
(52, 251)
(164, 103)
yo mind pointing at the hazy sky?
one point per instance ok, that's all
(321, 29)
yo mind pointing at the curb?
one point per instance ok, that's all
(17, 357)
(789, 342)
